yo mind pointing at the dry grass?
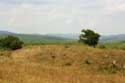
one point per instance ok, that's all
(61, 64)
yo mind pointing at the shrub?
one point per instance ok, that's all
(87, 61)
(68, 64)
(53, 57)
(102, 46)
(66, 46)
(11, 42)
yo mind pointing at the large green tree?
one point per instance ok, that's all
(89, 37)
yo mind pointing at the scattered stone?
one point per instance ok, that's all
(106, 56)
(114, 62)
(124, 66)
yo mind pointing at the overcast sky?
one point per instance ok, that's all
(62, 16)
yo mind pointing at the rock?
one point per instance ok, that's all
(114, 62)
(124, 66)
(106, 56)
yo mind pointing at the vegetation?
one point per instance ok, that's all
(62, 61)
(113, 45)
(57, 63)
(11, 42)
(34, 39)
(89, 37)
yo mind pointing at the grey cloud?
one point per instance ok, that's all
(61, 16)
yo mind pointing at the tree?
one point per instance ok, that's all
(11, 42)
(89, 37)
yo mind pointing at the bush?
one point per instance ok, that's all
(102, 46)
(66, 46)
(11, 42)
(87, 61)
(68, 64)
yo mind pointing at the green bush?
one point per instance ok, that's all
(11, 42)
(102, 46)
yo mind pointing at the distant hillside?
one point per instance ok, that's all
(60, 37)
(113, 38)
(6, 33)
(68, 35)
(110, 38)
(35, 38)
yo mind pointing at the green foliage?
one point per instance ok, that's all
(43, 39)
(102, 46)
(89, 37)
(11, 42)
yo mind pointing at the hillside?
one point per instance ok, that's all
(60, 38)
(36, 38)
(113, 38)
(74, 36)
(5, 33)
(62, 64)
(103, 38)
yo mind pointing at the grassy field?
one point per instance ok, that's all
(62, 64)
(114, 45)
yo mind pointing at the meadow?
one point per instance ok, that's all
(114, 45)
(62, 64)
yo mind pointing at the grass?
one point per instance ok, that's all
(62, 64)
(114, 45)
(63, 42)
(34, 39)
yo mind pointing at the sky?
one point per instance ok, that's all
(62, 16)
